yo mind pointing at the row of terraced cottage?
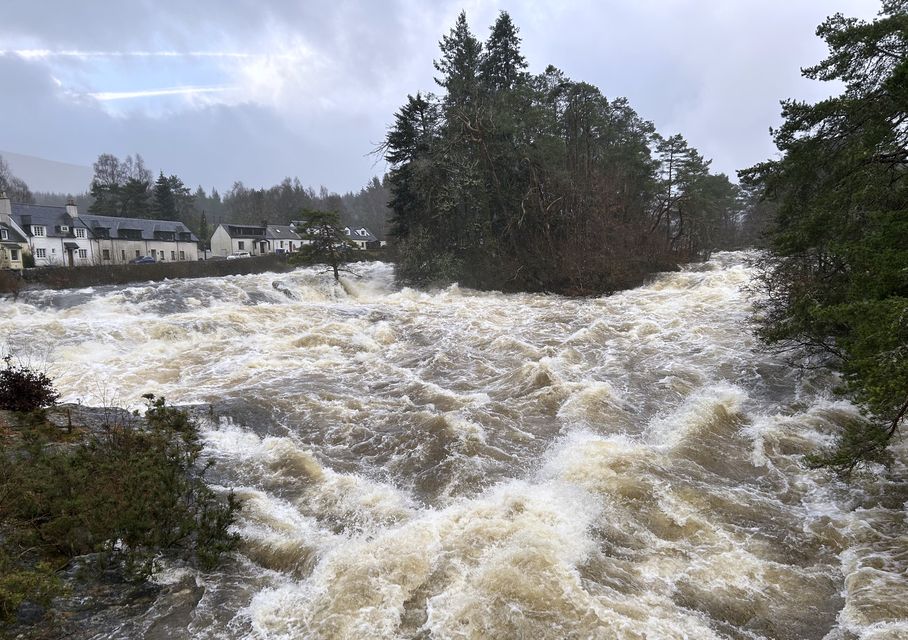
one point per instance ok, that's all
(61, 236)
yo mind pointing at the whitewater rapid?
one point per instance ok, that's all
(457, 464)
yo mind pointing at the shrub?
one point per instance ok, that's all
(24, 389)
(130, 494)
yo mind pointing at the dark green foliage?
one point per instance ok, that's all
(540, 183)
(135, 199)
(128, 494)
(163, 202)
(19, 583)
(327, 243)
(24, 389)
(837, 281)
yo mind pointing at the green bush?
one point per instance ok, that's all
(24, 389)
(129, 494)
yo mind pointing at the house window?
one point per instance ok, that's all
(37, 231)
(105, 253)
(4, 235)
(14, 255)
(80, 233)
(83, 254)
(40, 253)
(240, 245)
(138, 253)
(162, 254)
(123, 254)
(282, 244)
(182, 255)
(173, 255)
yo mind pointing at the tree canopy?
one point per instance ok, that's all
(836, 284)
(520, 182)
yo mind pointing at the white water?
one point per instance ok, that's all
(456, 464)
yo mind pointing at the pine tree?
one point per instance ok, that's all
(163, 201)
(837, 283)
(503, 65)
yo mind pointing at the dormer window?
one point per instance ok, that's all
(64, 229)
(80, 233)
(37, 231)
(4, 234)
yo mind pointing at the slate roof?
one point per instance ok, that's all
(359, 234)
(245, 231)
(137, 228)
(52, 218)
(12, 235)
(281, 232)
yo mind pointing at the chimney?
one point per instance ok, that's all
(6, 209)
(71, 209)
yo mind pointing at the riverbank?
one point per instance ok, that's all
(77, 277)
(94, 501)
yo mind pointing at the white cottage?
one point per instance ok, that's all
(60, 236)
(257, 240)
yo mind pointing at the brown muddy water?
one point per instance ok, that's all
(456, 464)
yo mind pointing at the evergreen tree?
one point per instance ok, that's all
(503, 65)
(135, 199)
(459, 63)
(837, 283)
(163, 200)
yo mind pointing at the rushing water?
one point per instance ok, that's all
(454, 464)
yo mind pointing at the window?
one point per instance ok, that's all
(282, 244)
(80, 233)
(162, 253)
(37, 231)
(40, 253)
(83, 254)
(138, 253)
(14, 255)
(122, 254)
(53, 250)
(105, 254)
(173, 255)
(64, 229)
(4, 234)
(182, 255)
(240, 245)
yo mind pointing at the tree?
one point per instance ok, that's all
(503, 65)
(327, 243)
(459, 63)
(15, 188)
(204, 231)
(109, 177)
(836, 285)
(164, 204)
(514, 182)
(135, 199)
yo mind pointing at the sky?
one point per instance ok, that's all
(257, 90)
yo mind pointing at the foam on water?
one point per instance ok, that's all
(458, 464)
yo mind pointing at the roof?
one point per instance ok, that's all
(281, 232)
(359, 234)
(12, 234)
(51, 218)
(137, 228)
(242, 231)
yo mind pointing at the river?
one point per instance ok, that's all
(460, 464)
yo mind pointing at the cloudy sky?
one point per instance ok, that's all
(255, 90)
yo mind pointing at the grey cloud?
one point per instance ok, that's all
(713, 71)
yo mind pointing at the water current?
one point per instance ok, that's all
(460, 464)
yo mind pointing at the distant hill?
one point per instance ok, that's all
(49, 175)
